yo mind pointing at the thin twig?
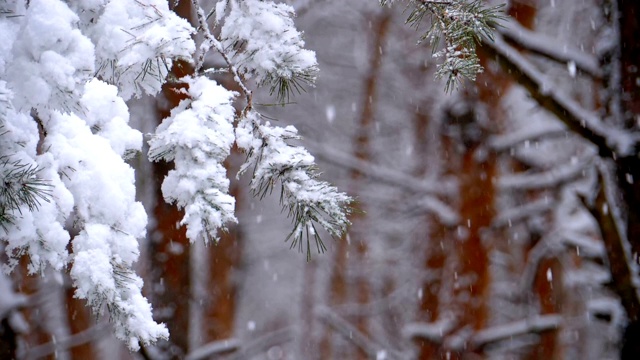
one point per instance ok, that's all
(212, 41)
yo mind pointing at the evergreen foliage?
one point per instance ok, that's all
(455, 27)
(66, 70)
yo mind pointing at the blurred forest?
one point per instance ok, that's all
(488, 223)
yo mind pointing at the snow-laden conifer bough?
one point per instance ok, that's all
(66, 72)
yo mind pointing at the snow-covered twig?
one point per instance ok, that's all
(211, 40)
(263, 343)
(545, 248)
(588, 246)
(507, 141)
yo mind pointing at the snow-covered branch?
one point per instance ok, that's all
(259, 37)
(625, 272)
(529, 134)
(377, 172)
(308, 201)
(508, 217)
(537, 324)
(434, 332)
(549, 178)
(351, 333)
(609, 140)
(549, 47)
(214, 348)
(198, 137)
(60, 345)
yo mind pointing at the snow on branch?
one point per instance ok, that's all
(198, 137)
(262, 41)
(625, 272)
(108, 220)
(507, 141)
(508, 217)
(261, 344)
(549, 47)
(439, 330)
(536, 324)
(350, 332)
(308, 201)
(609, 140)
(135, 42)
(378, 172)
(434, 332)
(548, 247)
(214, 348)
(459, 24)
(550, 178)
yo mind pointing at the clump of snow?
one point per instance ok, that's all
(198, 137)
(48, 71)
(135, 42)
(264, 43)
(66, 70)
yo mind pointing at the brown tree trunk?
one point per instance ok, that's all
(169, 261)
(79, 320)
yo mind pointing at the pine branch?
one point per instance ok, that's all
(308, 201)
(212, 41)
(459, 25)
(20, 186)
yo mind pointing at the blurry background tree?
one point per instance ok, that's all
(498, 221)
